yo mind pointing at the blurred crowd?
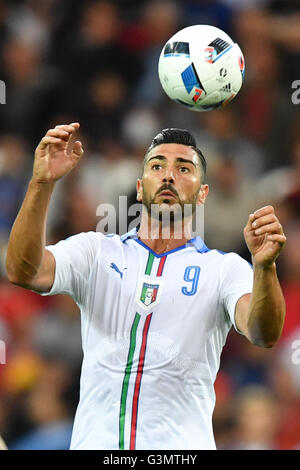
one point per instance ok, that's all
(95, 62)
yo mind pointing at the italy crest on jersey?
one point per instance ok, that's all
(149, 293)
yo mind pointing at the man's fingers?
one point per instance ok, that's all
(262, 216)
(263, 211)
(77, 150)
(275, 227)
(59, 133)
(266, 210)
(68, 127)
(263, 220)
(276, 237)
(49, 140)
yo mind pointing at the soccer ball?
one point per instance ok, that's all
(201, 67)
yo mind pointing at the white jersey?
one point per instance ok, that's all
(153, 328)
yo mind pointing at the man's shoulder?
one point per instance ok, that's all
(224, 258)
(85, 242)
(93, 235)
(230, 257)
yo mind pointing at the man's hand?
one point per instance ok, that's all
(53, 159)
(28, 263)
(264, 236)
(260, 316)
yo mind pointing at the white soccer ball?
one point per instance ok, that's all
(201, 67)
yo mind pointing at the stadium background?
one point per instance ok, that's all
(96, 63)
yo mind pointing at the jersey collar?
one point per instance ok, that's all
(196, 241)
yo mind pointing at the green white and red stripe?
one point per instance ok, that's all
(140, 367)
(138, 380)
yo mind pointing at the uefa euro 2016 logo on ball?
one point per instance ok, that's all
(201, 67)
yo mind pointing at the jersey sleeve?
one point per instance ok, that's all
(236, 280)
(74, 258)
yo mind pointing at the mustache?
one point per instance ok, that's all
(166, 187)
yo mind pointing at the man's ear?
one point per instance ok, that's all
(203, 193)
(139, 190)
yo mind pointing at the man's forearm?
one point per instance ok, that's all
(28, 236)
(53, 159)
(267, 307)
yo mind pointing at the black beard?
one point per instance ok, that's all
(176, 211)
(169, 221)
(167, 215)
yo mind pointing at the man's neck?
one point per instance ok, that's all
(162, 240)
(163, 246)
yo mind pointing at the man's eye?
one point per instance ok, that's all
(156, 166)
(184, 169)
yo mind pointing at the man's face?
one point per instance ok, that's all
(172, 179)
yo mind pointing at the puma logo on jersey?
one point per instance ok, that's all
(115, 267)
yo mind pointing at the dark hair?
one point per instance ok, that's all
(173, 135)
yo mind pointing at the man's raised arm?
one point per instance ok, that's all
(260, 316)
(28, 263)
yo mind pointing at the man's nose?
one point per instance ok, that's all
(169, 176)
